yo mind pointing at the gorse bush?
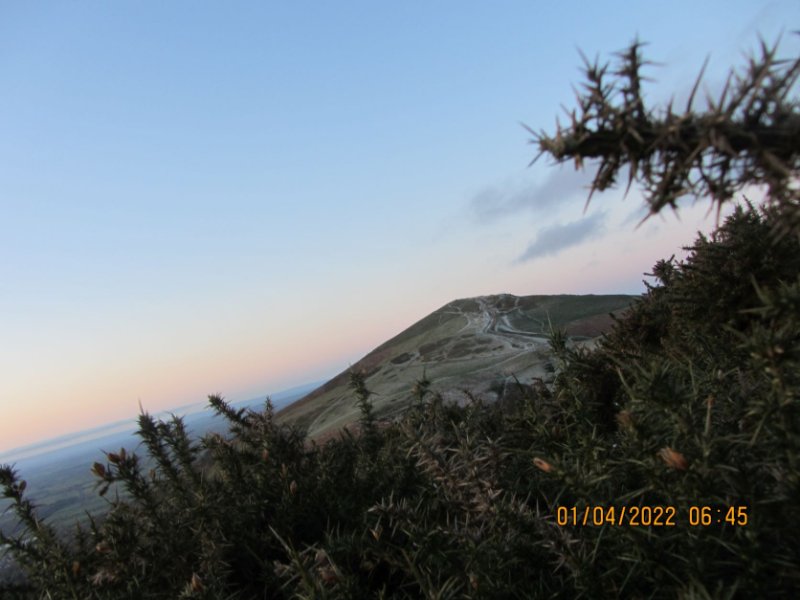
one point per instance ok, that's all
(691, 400)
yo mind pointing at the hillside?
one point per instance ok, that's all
(478, 344)
(661, 461)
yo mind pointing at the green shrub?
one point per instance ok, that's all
(691, 400)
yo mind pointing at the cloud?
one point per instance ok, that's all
(554, 239)
(562, 185)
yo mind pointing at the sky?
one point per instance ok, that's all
(241, 197)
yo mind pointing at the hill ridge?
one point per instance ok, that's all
(467, 343)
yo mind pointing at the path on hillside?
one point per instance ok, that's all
(491, 320)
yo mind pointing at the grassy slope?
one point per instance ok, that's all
(467, 344)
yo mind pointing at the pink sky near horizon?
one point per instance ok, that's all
(267, 359)
(240, 200)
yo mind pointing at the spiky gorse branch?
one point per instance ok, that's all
(690, 400)
(750, 135)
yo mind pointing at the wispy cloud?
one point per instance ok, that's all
(562, 185)
(554, 239)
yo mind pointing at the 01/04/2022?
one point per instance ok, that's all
(650, 516)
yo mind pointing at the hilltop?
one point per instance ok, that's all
(477, 344)
(661, 461)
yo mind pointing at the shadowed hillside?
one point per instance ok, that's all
(477, 344)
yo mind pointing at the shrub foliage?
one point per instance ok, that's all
(691, 400)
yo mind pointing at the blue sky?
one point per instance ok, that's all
(237, 198)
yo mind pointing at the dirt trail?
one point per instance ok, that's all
(497, 321)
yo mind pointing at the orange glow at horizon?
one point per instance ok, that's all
(94, 397)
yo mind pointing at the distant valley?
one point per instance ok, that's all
(58, 471)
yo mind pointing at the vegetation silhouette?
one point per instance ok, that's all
(691, 400)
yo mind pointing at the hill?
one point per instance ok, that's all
(477, 344)
(662, 462)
